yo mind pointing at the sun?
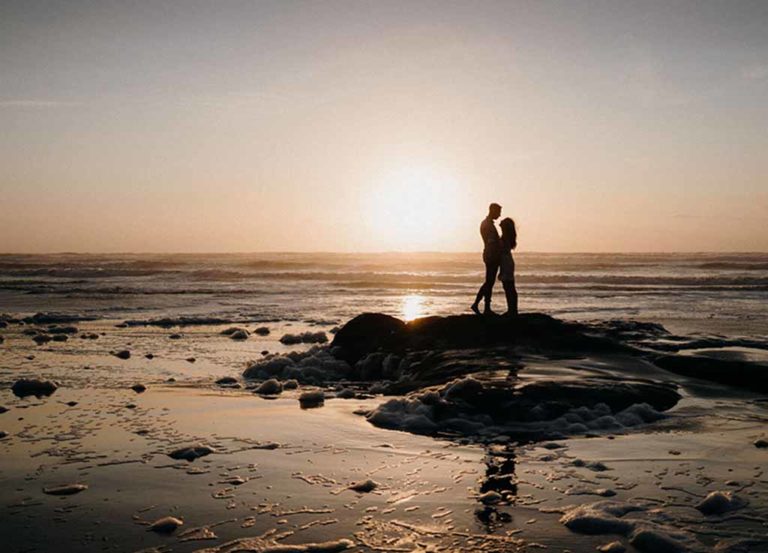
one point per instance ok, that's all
(412, 208)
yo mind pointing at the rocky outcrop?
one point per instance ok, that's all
(742, 374)
(371, 332)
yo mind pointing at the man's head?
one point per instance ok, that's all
(494, 211)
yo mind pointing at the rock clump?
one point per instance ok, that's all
(304, 338)
(33, 387)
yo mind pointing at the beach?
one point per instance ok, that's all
(570, 431)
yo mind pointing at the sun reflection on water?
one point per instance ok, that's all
(413, 307)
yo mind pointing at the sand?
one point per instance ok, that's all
(276, 477)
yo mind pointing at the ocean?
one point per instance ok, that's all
(689, 293)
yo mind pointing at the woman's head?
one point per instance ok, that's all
(509, 232)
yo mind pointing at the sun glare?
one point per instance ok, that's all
(413, 208)
(413, 307)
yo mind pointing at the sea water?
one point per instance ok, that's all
(712, 293)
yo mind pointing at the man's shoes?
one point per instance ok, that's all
(488, 312)
(475, 309)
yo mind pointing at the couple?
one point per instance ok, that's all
(497, 256)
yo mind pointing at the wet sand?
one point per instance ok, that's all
(279, 474)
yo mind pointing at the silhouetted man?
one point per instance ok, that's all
(491, 258)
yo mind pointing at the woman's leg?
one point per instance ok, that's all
(510, 291)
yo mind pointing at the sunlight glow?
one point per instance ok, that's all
(413, 307)
(413, 208)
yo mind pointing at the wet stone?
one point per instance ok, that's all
(191, 453)
(366, 486)
(33, 387)
(270, 387)
(66, 489)
(612, 547)
(166, 525)
(312, 399)
(719, 502)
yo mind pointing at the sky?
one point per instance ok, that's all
(238, 126)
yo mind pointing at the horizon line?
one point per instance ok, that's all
(392, 252)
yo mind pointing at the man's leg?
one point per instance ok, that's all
(491, 270)
(486, 290)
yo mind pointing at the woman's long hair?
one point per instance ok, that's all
(509, 232)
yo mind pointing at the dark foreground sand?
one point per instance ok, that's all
(280, 475)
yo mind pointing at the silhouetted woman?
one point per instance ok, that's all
(507, 265)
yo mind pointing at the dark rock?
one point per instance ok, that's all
(239, 334)
(54, 318)
(761, 443)
(62, 330)
(742, 374)
(175, 337)
(60, 338)
(191, 359)
(3, 409)
(191, 453)
(139, 388)
(369, 367)
(226, 380)
(123, 354)
(71, 403)
(41, 339)
(235, 330)
(365, 334)
(33, 387)
(270, 387)
(315, 398)
(261, 331)
(3, 434)
(718, 503)
(366, 486)
(150, 356)
(66, 489)
(372, 332)
(166, 525)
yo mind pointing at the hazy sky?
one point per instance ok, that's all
(360, 125)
